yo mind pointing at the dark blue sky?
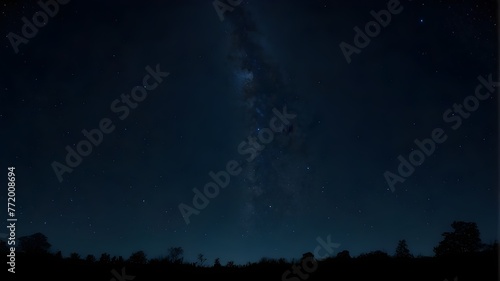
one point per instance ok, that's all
(322, 174)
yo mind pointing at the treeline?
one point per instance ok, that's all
(461, 255)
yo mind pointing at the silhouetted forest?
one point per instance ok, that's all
(460, 255)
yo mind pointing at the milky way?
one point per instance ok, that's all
(274, 182)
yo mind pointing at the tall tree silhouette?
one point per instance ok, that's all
(217, 263)
(402, 250)
(34, 244)
(175, 254)
(464, 239)
(201, 259)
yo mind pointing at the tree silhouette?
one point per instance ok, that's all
(90, 259)
(402, 250)
(377, 255)
(119, 260)
(34, 244)
(282, 261)
(307, 255)
(464, 239)
(201, 259)
(74, 257)
(105, 258)
(344, 255)
(175, 254)
(58, 255)
(217, 263)
(138, 257)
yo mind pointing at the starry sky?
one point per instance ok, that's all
(216, 82)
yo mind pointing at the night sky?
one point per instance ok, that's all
(310, 133)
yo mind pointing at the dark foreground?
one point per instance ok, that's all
(478, 267)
